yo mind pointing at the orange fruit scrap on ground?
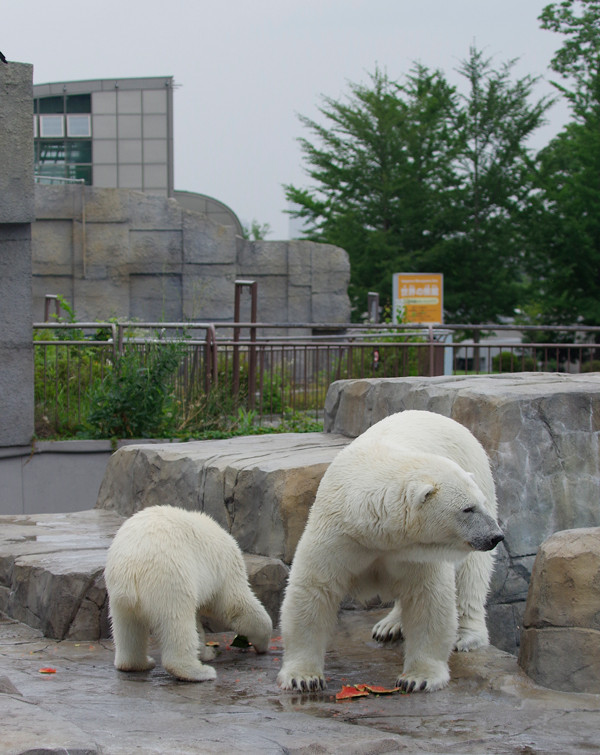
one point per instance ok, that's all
(47, 671)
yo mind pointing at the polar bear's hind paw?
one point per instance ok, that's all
(469, 639)
(192, 672)
(386, 631)
(423, 680)
(135, 665)
(302, 682)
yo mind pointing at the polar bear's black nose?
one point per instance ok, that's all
(486, 542)
(492, 541)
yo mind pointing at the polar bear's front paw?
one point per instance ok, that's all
(423, 679)
(303, 681)
(387, 631)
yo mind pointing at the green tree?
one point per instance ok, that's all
(565, 225)
(482, 258)
(577, 60)
(381, 167)
(410, 177)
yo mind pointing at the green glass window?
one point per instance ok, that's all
(50, 152)
(51, 105)
(81, 171)
(79, 152)
(79, 103)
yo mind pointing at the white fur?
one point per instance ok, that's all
(164, 565)
(398, 514)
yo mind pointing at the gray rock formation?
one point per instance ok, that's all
(560, 641)
(259, 488)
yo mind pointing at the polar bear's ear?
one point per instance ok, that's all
(418, 492)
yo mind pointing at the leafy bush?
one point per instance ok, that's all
(593, 366)
(135, 399)
(507, 361)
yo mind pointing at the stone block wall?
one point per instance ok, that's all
(117, 253)
(16, 215)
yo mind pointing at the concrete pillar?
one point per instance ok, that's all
(16, 215)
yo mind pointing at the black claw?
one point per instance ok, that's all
(322, 683)
(304, 686)
(423, 685)
(411, 686)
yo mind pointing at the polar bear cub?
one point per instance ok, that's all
(407, 511)
(164, 565)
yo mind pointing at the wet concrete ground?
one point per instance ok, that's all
(87, 706)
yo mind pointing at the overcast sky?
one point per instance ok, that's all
(244, 69)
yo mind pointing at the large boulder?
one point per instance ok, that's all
(560, 641)
(259, 488)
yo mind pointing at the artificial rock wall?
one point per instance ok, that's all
(125, 254)
(16, 216)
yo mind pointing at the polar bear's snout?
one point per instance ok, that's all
(484, 533)
(487, 543)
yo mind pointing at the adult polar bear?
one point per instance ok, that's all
(163, 566)
(406, 511)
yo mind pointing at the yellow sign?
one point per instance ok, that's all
(419, 297)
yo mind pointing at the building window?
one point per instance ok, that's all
(51, 105)
(79, 103)
(62, 137)
(52, 126)
(79, 125)
(50, 152)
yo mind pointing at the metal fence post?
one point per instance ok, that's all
(47, 299)
(373, 306)
(211, 368)
(239, 286)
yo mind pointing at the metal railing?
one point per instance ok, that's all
(276, 369)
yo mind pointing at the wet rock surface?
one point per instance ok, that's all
(87, 706)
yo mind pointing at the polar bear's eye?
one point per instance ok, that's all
(469, 510)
